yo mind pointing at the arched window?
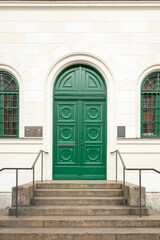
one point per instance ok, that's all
(150, 106)
(9, 105)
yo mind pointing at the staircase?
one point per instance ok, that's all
(79, 210)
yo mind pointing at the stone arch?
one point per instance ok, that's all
(80, 53)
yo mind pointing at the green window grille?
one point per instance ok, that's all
(9, 105)
(150, 106)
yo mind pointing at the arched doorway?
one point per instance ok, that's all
(79, 124)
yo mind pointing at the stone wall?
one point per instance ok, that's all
(5, 200)
(153, 200)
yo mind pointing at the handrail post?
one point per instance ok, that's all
(116, 164)
(42, 166)
(33, 185)
(124, 201)
(16, 192)
(140, 193)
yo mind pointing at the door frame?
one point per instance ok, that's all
(53, 109)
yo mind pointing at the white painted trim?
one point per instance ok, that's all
(19, 152)
(20, 141)
(77, 4)
(138, 141)
(122, 152)
(11, 70)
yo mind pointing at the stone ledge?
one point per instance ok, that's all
(25, 194)
(132, 195)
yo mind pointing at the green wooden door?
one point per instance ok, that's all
(79, 129)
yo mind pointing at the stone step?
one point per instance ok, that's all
(78, 201)
(79, 192)
(78, 185)
(75, 210)
(80, 221)
(80, 233)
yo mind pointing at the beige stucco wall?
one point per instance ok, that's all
(121, 40)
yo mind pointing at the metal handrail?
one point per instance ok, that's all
(31, 168)
(131, 169)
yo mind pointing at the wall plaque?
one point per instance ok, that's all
(33, 131)
(121, 131)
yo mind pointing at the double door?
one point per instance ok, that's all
(79, 141)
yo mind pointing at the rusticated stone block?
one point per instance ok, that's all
(25, 194)
(132, 195)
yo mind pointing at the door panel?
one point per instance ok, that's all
(80, 146)
(93, 128)
(65, 146)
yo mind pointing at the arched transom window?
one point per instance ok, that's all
(9, 105)
(150, 106)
